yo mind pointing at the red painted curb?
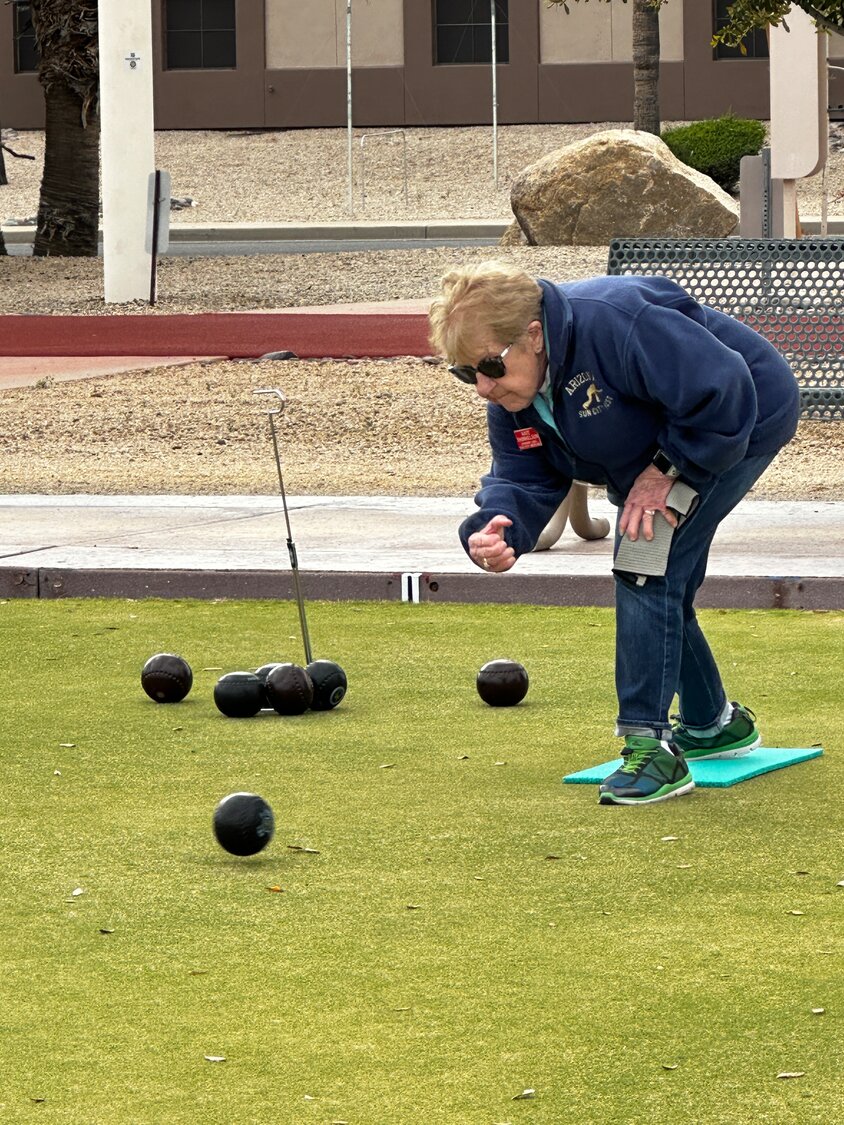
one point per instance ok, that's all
(238, 335)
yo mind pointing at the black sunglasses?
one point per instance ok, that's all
(491, 365)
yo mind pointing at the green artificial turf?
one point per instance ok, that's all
(461, 928)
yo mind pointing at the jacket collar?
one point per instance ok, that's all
(556, 324)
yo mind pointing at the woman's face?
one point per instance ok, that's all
(525, 365)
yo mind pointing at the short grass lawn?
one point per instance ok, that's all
(440, 931)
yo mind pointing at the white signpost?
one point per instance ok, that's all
(799, 109)
(126, 145)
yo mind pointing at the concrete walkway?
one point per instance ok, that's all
(27, 371)
(767, 554)
(356, 230)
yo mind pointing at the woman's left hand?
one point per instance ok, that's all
(646, 498)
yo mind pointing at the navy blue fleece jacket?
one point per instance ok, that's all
(635, 365)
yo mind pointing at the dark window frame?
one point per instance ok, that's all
(23, 35)
(755, 44)
(470, 36)
(200, 42)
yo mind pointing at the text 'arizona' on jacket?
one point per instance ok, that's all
(635, 365)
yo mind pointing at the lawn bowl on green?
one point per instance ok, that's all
(502, 683)
(239, 695)
(263, 671)
(243, 823)
(329, 682)
(262, 674)
(715, 773)
(289, 689)
(166, 677)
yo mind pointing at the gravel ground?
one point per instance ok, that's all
(301, 175)
(397, 427)
(270, 281)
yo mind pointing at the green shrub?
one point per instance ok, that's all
(716, 147)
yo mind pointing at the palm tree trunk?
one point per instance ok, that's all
(645, 66)
(68, 69)
(3, 180)
(68, 211)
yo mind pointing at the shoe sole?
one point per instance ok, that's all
(735, 752)
(608, 799)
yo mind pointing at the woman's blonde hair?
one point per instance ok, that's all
(490, 300)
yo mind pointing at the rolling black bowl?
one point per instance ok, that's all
(243, 823)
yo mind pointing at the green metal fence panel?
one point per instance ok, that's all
(790, 290)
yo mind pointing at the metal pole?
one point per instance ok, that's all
(291, 546)
(153, 261)
(349, 103)
(824, 184)
(494, 96)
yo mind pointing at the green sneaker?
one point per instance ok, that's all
(652, 771)
(736, 739)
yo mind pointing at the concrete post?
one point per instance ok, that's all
(127, 144)
(754, 196)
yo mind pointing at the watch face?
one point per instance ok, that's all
(664, 465)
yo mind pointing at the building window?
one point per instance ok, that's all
(463, 32)
(200, 34)
(26, 52)
(755, 44)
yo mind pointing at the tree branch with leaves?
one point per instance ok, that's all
(748, 15)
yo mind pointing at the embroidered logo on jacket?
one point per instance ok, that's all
(596, 401)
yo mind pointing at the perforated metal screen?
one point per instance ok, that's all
(790, 290)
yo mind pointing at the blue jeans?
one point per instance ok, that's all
(660, 648)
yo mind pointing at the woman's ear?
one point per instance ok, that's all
(537, 336)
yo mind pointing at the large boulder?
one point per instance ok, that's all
(615, 184)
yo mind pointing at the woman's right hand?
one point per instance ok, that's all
(488, 548)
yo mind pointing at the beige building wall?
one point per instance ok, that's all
(314, 34)
(603, 32)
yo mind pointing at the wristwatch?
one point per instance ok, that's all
(663, 463)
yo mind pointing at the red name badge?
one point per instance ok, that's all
(527, 438)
